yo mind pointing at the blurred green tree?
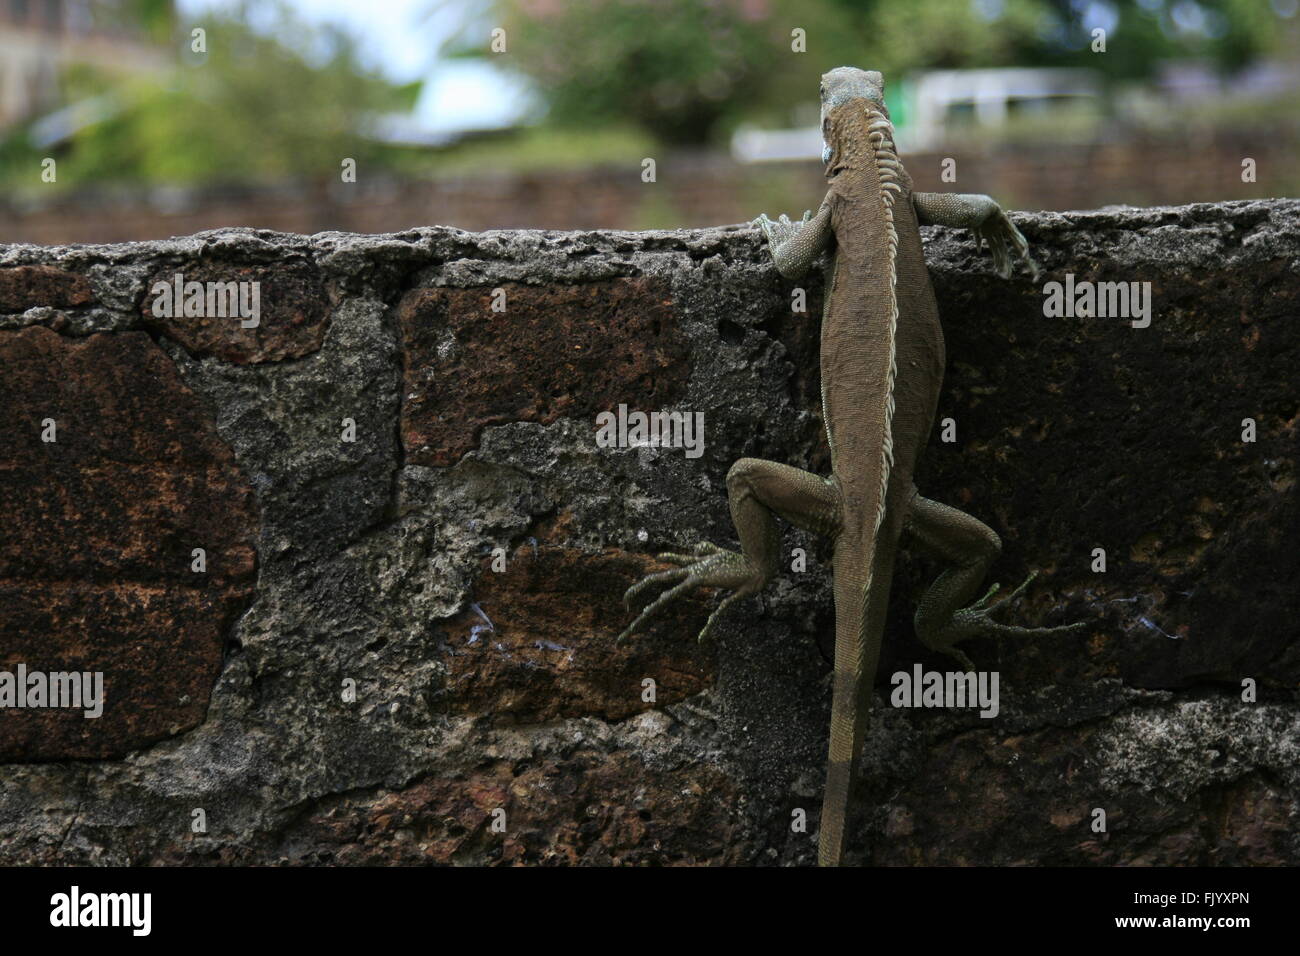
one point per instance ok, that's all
(687, 70)
(675, 68)
(288, 100)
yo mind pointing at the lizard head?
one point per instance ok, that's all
(841, 85)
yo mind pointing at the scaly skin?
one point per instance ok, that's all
(882, 362)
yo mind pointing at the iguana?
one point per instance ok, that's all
(882, 363)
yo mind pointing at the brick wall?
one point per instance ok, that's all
(691, 191)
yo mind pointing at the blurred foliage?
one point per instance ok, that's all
(687, 71)
(154, 18)
(275, 97)
(536, 148)
(673, 68)
(291, 101)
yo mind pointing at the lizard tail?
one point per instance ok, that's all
(859, 621)
(850, 700)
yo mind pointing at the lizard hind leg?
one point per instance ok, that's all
(758, 492)
(946, 615)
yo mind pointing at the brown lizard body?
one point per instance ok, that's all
(882, 362)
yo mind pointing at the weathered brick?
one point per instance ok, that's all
(95, 563)
(27, 287)
(565, 351)
(294, 305)
(552, 652)
(588, 807)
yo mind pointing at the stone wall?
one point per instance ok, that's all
(413, 553)
(691, 189)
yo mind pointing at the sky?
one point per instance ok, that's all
(401, 37)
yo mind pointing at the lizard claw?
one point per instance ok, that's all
(782, 228)
(709, 566)
(1005, 243)
(977, 621)
(690, 557)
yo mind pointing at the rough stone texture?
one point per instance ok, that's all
(572, 807)
(562, 351)
(292, 316)
(26, 287)
(548, 651)
(1072, 434)
(100, 524)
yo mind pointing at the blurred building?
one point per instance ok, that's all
(40, 38)
(939, 107)
(949, 104)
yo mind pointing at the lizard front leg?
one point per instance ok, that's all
(985, 218)
(795, 246)
(757, 491)
(969, 547)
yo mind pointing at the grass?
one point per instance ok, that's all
(539, 148)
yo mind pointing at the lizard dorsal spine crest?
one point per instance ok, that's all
(880, 133)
